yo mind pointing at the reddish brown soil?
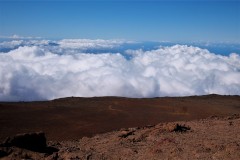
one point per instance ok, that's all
(73, 118)
(212, 138)
(64, 120)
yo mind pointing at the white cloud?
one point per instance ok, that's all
(11, 44)
(36, 72)
(65, 46)
(20, 42)
(90, 44)
(15, 36)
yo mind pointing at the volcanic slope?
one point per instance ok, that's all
(73, 118)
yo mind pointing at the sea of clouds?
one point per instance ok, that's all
(46, 69)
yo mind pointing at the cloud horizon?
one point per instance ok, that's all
(43, 70)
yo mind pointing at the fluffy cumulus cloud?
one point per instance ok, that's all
(38, 72)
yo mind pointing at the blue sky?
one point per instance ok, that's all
(132, 20)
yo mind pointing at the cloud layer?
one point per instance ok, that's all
(42, 71)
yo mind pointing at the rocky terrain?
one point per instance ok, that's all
(205, 127)
(211, 138)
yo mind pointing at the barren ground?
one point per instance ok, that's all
(68, 122)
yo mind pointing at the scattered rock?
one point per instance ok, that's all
(172, 127)
(3, 153)
(31, 141)
(213, 117)
(25, 156)
(149, 126)
(88, 156)
(158, 142)
(54, 156)
(234, 116)
(181, 128)
(125, 134)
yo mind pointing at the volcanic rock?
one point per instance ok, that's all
(31, 141)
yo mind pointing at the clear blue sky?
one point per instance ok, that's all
(133, 20)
